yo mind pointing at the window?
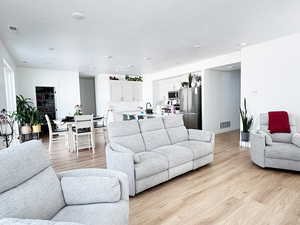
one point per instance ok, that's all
(10, 91)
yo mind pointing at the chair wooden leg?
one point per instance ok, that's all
(76, 143)
(90, 142)
(93, 143)
(50, 143)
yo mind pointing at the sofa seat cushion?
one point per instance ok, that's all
(200, 149)
(150, 163)
(282, 137)
(283, 151)
(15, 221)
(176, 155)
(95, 214)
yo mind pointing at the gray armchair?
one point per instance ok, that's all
(32, 193)
(278, 150)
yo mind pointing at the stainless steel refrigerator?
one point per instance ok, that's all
(190, 106)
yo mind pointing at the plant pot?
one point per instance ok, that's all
(26, 129)
(36, 128)
(245, 136)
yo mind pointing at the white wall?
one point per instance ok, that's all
(221, 99)
(6, 56)
(201, 65)
(66, 84)
(271, 76)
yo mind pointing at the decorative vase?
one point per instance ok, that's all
(26, 129)
(245, 136)
(36, 128)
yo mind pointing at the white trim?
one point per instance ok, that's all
(10, 89)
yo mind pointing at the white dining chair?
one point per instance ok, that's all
(55, 135)
(84, 126)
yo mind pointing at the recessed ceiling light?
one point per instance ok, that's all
(78, 15)
(24, 62)
(243, 44)
(130, 66)
(13, 28)
(147, 58)
(108, 57)
(197, 46)
(51, 49)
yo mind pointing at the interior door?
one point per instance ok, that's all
(45, 101)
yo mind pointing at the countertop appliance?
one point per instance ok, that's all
(172, 95)
(149, 109)
(191, 106)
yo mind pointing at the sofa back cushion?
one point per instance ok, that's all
(20, 163)
(127, 134)
(278, 137)
(29, 187)
(40, 197)
(175, 128)
(80, 190)
(154, 133)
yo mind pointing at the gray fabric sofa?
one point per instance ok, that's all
(152, 151)
(32, 193)
(278, 150)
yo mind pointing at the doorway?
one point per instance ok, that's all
(45, 101)
(87, 95)
(221, 98)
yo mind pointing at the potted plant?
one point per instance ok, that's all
(78, 110)
(184, 84)
(247, 122)
(36, 121)
(23, 113)
(190, 80)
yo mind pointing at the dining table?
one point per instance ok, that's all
(68, 123)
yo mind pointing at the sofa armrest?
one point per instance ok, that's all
(122, 149)
(201, 135)
(257, 149)
(14, 221)
(101, 173)
(124, 162)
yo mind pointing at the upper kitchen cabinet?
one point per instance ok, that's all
(126, 91)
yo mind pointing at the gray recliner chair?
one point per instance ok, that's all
(277, 150)
(32, 193)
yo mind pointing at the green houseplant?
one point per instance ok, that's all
(23, 113)
(36, 120)
(246, 121)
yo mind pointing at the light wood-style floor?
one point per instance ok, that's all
(229, 191)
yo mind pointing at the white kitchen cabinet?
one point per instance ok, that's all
(116, 93)
(126, 91)
(137, 88)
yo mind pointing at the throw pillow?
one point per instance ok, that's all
(90, 189)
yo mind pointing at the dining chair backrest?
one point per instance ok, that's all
(84, 122)
(49, 124)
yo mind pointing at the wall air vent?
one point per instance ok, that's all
(13, 28)
(225, 124)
